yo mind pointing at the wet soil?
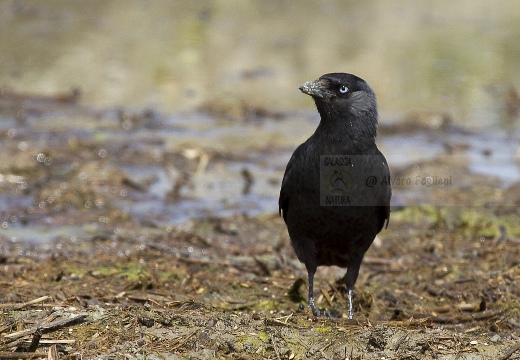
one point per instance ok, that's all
(99, 259)
(429, 289)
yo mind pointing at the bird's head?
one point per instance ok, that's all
(346, 103)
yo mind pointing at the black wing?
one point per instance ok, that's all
(386, 208)
(287, 184)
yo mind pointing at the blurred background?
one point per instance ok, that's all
(170, 110)
(458, 57)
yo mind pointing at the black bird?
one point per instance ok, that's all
(326, 228)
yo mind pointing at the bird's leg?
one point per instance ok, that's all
(350, 279)
(313, 307)
(350, 314)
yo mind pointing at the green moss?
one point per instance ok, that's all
(74, 270)
(73, 143)
(169, 276)
(129, 271)
(426, 213)
(473, 222)
(250, 341)
(263, 336)
(511, 224)
(268, 305)
(100, 136)
(323, 329)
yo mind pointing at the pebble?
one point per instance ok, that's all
(495, 338)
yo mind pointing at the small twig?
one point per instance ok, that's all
(514, 323)
(20, 355)
(35, 340)
(53, 353)
(336, 291)
(25, 304)
(287, 317)
(9, 324)
(55, 341)
(322, 350)
(157, 303)
(410, 322)
(400, 342)
(275, 349)
(487, 314)
(327, 297)
(467, 307)
(184, 340)
(463, 280)
(55, 325)
(274, 322)
(511, 351)
(471, 330)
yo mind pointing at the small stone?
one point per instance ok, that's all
(495, 338)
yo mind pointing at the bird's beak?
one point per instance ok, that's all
(317, 89)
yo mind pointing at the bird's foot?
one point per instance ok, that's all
(315, 310)
(350, 314)
(318, 312)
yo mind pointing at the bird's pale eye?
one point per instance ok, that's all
(343, 89)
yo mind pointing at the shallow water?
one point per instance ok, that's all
(220, 188)
(214, 85)
(456, 57)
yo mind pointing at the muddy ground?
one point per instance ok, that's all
(84, 277)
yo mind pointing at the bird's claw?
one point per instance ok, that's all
(319, 312)
(315, 310)
(350, 314)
